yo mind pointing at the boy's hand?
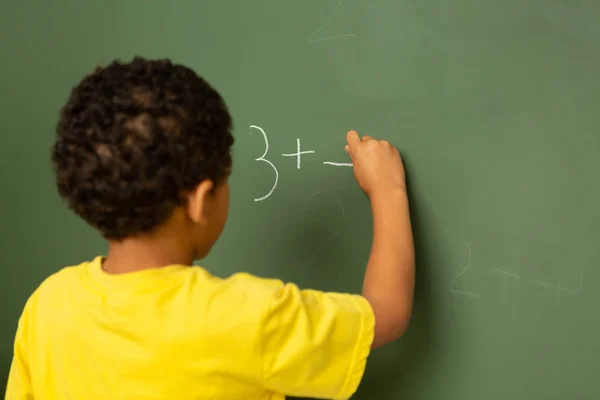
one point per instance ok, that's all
(378, 167)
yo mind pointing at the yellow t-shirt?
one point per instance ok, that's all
(180, 333)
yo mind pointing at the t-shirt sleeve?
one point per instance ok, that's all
(315, 344)
(19, 382)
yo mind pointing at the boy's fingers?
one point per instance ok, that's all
(353, 140)
(366, 138)
(347, 148)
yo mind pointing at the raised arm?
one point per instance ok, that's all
(390, 274)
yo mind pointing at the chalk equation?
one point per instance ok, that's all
(298, 155)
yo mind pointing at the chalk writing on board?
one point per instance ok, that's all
(317, 252)
(313, 38)
(461, 273)
(263, 159)
(467, 268)
(558, 288)
(298, 154)
(506, 273)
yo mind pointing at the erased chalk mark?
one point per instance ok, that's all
(506, 273)
(330, 238)
(312, 39)
(461, 273)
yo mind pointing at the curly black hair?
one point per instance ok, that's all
(133, 138)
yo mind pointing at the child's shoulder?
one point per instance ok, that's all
(54, 287)
(64, 276)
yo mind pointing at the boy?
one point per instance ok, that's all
(143, 155)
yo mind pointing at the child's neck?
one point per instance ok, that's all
(138, 254)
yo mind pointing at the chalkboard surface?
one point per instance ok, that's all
(494, 105)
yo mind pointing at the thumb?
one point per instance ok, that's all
(348, 151)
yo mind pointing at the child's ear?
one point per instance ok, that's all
(197, 202)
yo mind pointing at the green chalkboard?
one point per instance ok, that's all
(494, 105)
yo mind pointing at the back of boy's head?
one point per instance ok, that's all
(133, 138)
